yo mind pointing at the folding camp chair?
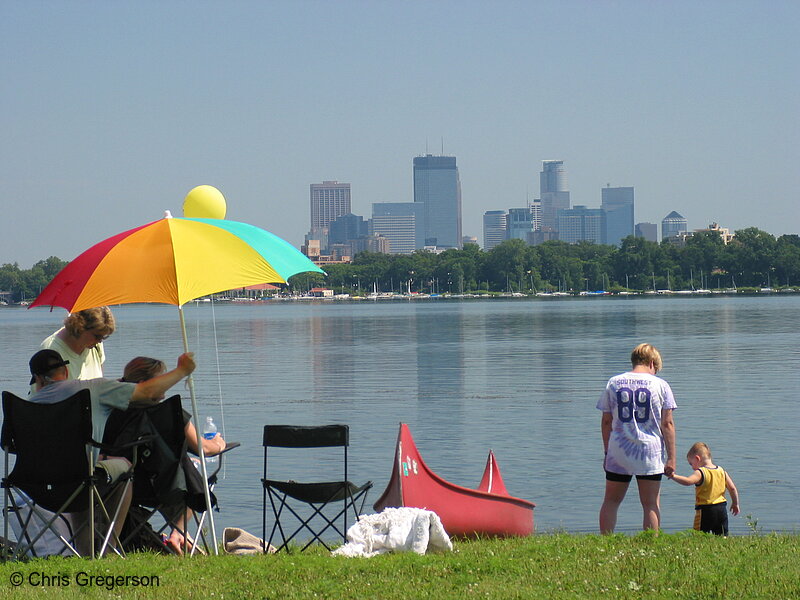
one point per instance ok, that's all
(165, 480)
(310, 500)
(54, 475)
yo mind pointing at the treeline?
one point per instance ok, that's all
(754, 258)
(25, 284)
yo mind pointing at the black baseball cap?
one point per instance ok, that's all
(44, 361)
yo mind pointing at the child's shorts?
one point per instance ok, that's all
(711, 518)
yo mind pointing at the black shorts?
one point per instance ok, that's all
(626, 478)
(712, 518)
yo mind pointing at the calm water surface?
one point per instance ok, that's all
(518, 376)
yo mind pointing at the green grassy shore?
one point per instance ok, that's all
(683, 565)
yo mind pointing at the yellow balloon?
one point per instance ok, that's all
(204, 202)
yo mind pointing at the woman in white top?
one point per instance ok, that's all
(638, 436)
(80, 341)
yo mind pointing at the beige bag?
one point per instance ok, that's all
(239, 541)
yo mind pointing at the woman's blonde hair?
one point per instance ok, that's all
(143, 368)
(644, 354)
(100, 320)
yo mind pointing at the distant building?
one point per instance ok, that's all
(347, 227)
(468, 239)
(723, 232)
(541, 236)
(519, 223)
(437, 188)
(401, 223)
(648, 231)
(494, 228)
(553, 191)
(673, 225)
(617, 202)
(329, 200)
(580, 224)
(536, 214)
(377, 243)
(320, 293)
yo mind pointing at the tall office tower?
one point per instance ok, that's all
(672, 225)
(553, 192)
(438, 189)
(494, 228)
(618, 204)
(648, 231)
(329, 200)
(581, 224)
(519, 223)
(402, 223)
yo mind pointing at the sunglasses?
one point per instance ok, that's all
(99, 337)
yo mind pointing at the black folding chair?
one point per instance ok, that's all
(309, 501)
(165, 479)
(53, 475)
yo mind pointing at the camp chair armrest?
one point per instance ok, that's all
(228, 447)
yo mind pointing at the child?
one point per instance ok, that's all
(710, 483)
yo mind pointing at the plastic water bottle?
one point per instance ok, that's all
(209, 433)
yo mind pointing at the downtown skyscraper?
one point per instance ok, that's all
(617, 202)
(553, 192)
(438, 188)
(329, 200)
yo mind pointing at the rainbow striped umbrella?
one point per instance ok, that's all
(172, 261)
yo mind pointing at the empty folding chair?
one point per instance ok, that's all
(54, 492)
(306, 504)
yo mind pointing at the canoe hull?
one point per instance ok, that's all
(486, 511)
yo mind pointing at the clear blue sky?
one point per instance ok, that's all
(111, 111)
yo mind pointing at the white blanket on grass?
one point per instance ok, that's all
(396, 530)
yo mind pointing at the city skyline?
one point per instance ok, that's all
(114, 111)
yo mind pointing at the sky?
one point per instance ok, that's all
(110, 112)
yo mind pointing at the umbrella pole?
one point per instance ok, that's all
(203, 470)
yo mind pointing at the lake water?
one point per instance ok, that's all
(519, 376)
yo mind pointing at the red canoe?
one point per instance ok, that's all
(487, 511)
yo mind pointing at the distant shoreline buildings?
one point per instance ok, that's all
(432, 220)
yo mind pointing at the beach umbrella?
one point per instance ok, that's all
(172, 261)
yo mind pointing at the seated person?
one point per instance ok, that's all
(51, 384)
(142, 369)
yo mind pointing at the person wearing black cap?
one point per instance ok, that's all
(51, 384)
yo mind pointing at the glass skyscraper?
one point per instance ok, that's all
(438, 189)
(553, 191)
(617, 202)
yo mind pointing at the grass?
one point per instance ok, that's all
(683, 565)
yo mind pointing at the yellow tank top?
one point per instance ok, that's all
(712, 489)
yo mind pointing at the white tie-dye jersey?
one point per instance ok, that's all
(636, 444)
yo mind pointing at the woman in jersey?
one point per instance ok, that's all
(638, 437)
